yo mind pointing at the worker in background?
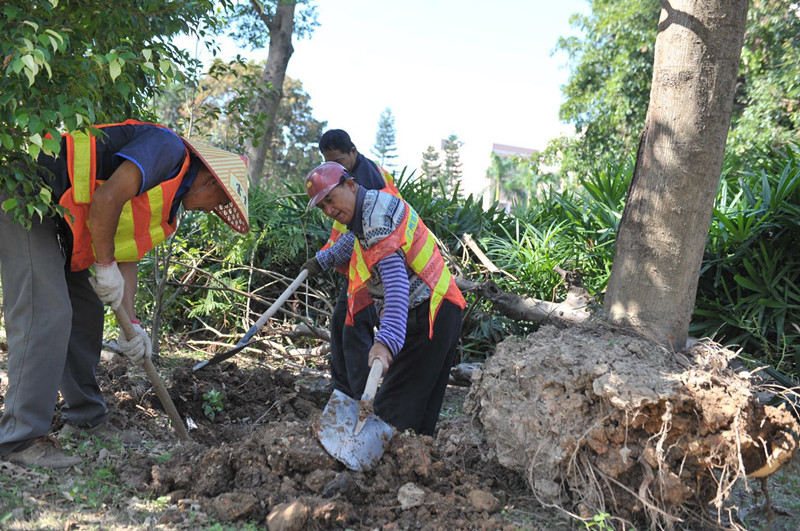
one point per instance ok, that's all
(122, 186)
(350, 345)
(393, 259)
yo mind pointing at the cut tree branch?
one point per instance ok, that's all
(572, 311)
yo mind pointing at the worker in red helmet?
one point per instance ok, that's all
(123, 186)
(350, 345)
(393, 260)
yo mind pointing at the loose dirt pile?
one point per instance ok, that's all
(259, 460)
(599, 421)
(585, 420)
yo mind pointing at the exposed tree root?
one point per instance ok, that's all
(603, 422)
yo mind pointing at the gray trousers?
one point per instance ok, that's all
(54, 327)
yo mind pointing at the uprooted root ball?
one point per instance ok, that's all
(600, 421)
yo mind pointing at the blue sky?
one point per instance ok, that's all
(482, 70)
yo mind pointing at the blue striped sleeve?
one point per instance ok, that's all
(339, 253)
(392, 330)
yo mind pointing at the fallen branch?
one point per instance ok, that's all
(573, 310)
(303, 331)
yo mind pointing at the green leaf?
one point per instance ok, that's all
(36, 126)
(17, 65)
(747, 283)
(34, 151)
(45, 194)
(22, 119)
(10, 204)
(7, 141)
(770, 303)
(52, 144)
(55, 35)
(28, 61)
(124, 88)
(115, 69)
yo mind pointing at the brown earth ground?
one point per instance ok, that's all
(254, 462)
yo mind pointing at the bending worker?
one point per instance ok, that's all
(122, 189)
(393, 259)
(350, 345)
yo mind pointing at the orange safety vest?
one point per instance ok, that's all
(339, 228)
(144, 222)
(421, 255)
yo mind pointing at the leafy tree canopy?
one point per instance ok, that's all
(767, 104)
(67, 65)
(609, 87)
(217, 107)
(249, 17)
(608, 91)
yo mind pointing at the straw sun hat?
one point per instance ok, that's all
(230, 170)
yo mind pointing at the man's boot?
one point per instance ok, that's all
(45, 452)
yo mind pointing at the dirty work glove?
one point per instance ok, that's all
(313, 267)
(108, 283)
(138, 348)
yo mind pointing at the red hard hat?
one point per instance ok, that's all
(323, 179)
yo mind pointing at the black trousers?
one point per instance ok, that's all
(350, 346)
(412, 391)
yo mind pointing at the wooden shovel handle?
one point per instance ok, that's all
(155, 379)
(372, 381)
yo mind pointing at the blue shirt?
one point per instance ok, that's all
(158, 152)
(366, 173)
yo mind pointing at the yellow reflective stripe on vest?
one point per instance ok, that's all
(387, 177)
(341, 228)
(125, 248)
(425, 254)
(360, 266)
(411, 226)
(442, 285)
(437, 295)
(82, 167)
(156, 198)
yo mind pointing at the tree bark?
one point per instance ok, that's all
(266, 106)
(665, 223)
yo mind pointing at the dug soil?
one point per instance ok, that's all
(254, 459)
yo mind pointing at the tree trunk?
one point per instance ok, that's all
(265, 108)
(665, 223)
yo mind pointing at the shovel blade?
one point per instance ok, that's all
(359, 452)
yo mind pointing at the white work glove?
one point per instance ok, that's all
(108, 284)
(138, 348)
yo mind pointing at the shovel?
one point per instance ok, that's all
(350, 431)
(246, 339)
(155, 379)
